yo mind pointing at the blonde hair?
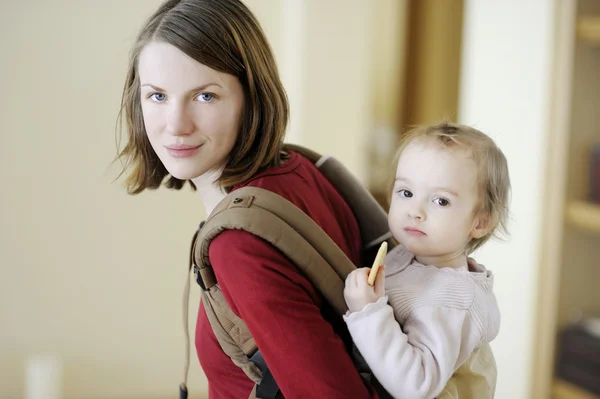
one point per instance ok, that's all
(493, 178)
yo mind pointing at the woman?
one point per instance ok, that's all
(204, 103)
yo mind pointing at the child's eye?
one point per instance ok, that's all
(405, 193)
(206, 97)
(441, 201)
(158, 97)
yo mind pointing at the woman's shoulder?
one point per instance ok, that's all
(299, 181)
(274, 174)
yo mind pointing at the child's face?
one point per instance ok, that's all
(434, 200)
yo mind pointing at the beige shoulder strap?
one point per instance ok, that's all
(281, 223)
(186, 299)
(288, 228)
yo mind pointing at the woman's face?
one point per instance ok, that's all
(191, 112)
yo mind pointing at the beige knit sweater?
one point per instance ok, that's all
(436, 318)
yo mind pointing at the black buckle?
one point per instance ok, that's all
(196, 268)
(267, 388)
(198, 278)
(183, 392)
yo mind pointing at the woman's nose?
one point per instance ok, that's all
(179, 120)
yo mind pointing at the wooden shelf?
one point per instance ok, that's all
(565, 390)
(588, 30)
(583, 215)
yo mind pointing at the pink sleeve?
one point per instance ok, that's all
(306, 357)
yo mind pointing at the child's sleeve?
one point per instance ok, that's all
(419, 361)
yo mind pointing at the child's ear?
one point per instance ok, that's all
(481, 224)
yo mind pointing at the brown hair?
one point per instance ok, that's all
(223, 35)
(493, 177)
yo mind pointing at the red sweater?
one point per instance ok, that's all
(307, 358)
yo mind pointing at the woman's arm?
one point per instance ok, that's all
(307, 358)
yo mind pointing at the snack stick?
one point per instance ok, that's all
(378, 262)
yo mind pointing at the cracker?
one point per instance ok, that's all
(378, 263)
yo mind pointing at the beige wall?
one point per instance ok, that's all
(88, 273)
(388, 72)
(95, 276)
(508, 99)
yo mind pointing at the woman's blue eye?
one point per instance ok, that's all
(158, 97)
(205, 97)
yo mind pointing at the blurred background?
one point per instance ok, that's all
(92, 279)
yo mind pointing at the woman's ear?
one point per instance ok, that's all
(482, 224)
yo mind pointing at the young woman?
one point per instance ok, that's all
(204, 104)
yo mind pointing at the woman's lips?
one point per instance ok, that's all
(182, 151)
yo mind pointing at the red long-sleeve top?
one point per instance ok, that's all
(306, 356)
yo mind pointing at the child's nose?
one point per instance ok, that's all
(416, 212)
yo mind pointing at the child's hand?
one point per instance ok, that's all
(358, 293)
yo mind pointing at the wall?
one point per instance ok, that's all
(504, 91)
(90, 274)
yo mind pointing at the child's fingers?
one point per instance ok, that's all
(380, 282)
(353, 279)
(362, 277)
